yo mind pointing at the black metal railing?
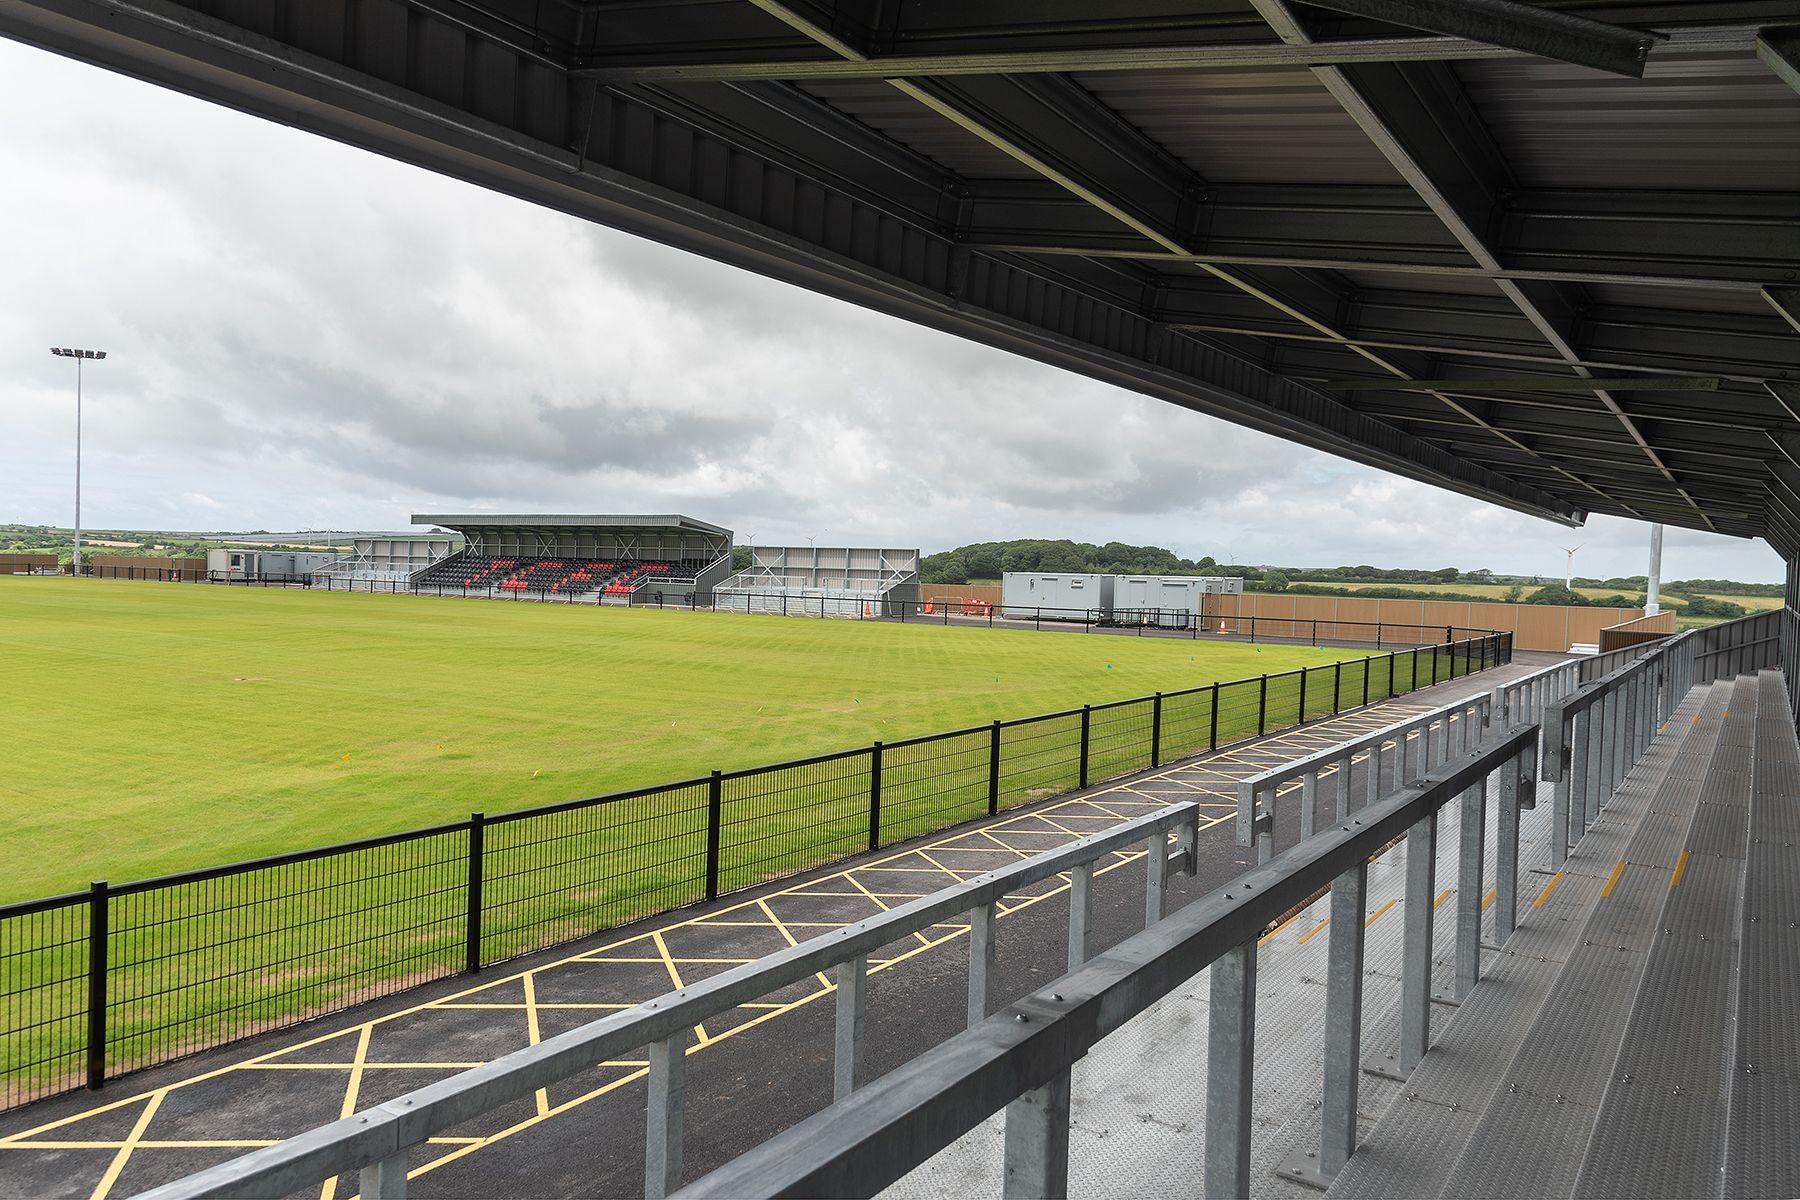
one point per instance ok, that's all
(97, 983)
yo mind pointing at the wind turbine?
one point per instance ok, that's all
(1569, 568)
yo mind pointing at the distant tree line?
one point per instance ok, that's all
(991, 560)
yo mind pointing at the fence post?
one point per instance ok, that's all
(1434, 658)
(477, 844)
(1378, 635)
(1302, 717)
(1253, 629)
(1087, 715)
(1315, 631)
(994, 770)
(96, 1004)
(1212, 736)
(1337, 681)
(874, 797)
(1391, 656)
(714, 797)
(1262, 705)
(1156, 730)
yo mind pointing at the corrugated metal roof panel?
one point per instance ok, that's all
(1700, 121)
(1245, 126)
(883, 107)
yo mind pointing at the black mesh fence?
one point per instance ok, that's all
(96, 984)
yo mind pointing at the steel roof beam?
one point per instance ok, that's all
(1638, 238)
(1543, 32)
(1142, 46)
(1786, 301)
(1780, 49)
(1530, 383)
(1426, 127)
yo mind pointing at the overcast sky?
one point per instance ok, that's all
(305, 335)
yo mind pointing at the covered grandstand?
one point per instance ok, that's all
(386, 561)
(613, 559)
(823, 581)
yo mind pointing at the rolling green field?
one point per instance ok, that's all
(153, 727)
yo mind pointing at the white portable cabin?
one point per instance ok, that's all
(1168, 601)
(1061, 595)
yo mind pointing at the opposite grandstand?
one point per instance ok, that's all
(617, 559)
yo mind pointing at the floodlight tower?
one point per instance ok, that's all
(79, 356)
(1569, 568)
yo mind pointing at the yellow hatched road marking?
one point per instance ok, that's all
(1612, 880)
(533, 1035)
(352, 1086)
(136, 1135)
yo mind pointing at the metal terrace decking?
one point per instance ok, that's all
(1642, 1041)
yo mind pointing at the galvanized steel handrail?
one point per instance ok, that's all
(1021, 1059)
(1594, 734)
(375, 1140)
(1259, 796)
(1524, 698)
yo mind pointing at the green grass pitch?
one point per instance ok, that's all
(156, 727)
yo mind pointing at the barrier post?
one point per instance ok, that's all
(472, 890)
(1156, 730)
(874, 797)
(994, 770)
(714, 797)
(1212, 736)
(1262, 705)
(1087, 714)
(1301, 719)
(96, 981)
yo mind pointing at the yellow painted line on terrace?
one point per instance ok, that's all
(1548, 888)
(1680, 870)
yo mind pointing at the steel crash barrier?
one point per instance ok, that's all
(1018, 1058)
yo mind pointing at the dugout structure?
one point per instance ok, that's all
(606, 559)
(828, 581)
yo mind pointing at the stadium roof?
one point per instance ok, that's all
(1547, 255)
(569, 520)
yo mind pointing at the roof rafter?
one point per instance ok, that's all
(1458, 173)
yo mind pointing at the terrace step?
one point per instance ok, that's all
(1763, 1108)
(1490, 1103)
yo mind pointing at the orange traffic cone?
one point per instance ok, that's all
(1221, 624)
